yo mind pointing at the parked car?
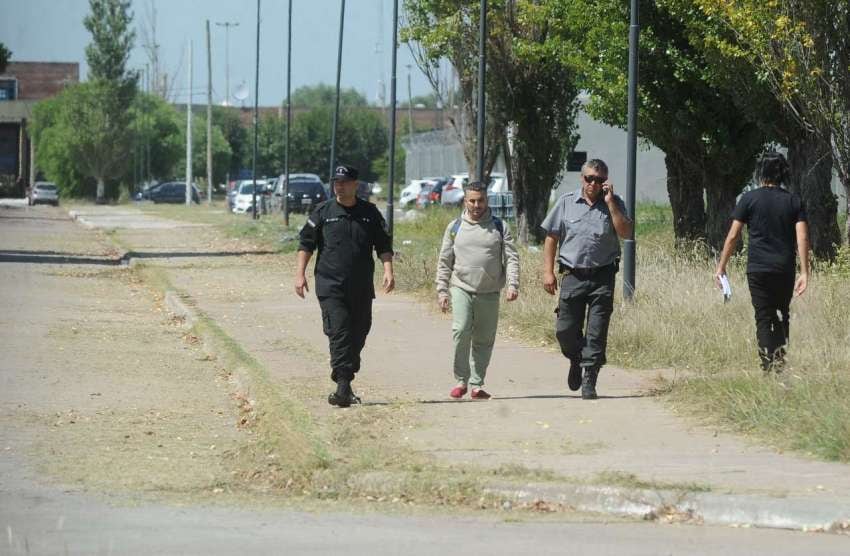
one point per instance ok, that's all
(410, 193)
(43, 192)
(173, 192)
(294, 178)
(262, 188)
(244, 199)
(303, 195)
(452, 194)
(364, 190)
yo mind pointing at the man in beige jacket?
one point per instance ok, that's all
(477, 258)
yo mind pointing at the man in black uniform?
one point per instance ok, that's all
(345, 230)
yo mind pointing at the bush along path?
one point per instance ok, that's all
(534, 443)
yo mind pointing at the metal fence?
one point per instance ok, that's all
(437, 153)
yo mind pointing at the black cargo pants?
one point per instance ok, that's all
(771, 294)
(346, 322)
(585, 305)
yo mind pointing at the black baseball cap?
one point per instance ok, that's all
(343, 172)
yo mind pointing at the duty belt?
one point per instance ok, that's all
(585, 273)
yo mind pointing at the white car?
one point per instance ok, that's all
(43, 192)
(245, 196)
(453, 192)
(407, 199)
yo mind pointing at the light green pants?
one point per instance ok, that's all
(474, 321)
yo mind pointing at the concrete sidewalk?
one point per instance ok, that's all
(533, 419)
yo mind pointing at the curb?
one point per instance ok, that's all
(796, 513)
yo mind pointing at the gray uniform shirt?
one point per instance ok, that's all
(586, 234)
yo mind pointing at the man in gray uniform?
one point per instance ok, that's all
(584, 228)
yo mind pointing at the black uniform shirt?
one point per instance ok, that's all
(771, 213)
(345, 238)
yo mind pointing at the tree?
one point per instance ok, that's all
(529, 92)
(156, 124)
(801, 50)
(5, 56)
(220, 149)
(101, 107)
(703, 116)
(312, 96)
(227, 119)
(438, 29)
(361, 139)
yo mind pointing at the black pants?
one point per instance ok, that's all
(771, 294)
(584, 311)
(346, 323)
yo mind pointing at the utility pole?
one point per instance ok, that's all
(336, 109)
(209, 118)
(288, 116)
(227, 25)
(256, 214)
(391, 177)
(631, 155)
(189, 133)
(146, 155)
(482, 64)
(409, 102)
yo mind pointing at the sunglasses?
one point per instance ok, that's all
(595, 179)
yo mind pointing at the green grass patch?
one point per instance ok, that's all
(808, 413)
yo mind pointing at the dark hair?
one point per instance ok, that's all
(772, 168)
(596, 164)
(475, 186)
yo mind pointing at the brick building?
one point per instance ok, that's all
(22, 85)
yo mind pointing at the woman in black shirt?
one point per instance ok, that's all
(776, 219)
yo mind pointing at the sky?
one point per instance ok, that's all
(53, 31)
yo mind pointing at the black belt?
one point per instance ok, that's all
(585, 273)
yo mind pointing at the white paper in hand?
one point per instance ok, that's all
(727, 289)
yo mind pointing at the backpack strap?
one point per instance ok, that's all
(496, 222)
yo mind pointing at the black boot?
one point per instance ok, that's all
(574, 378)
(588, 383)
(344, 396)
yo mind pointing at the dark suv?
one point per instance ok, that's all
(304, 195)
(172, 192)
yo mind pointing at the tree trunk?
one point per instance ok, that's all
(100, 198)
(811, 174)
(720, 202)
(684, 187)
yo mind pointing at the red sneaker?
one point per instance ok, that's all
(458, 391)
(479, 394)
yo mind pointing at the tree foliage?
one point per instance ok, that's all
(313, 96)
(100, 108)
(801, 50)
(704, 116)
(5, 56)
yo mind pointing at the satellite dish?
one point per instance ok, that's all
(241, 92)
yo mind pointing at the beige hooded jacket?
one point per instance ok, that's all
(479, 258)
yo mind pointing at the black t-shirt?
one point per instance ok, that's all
(771, 214)
(345, 238)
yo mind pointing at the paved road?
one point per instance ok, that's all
(38, 516)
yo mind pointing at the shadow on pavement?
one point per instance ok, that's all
(55, 257)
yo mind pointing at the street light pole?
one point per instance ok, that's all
(338, 74)
(288, 116)
(629, 250)
(393, 87)
(482, 64)
(227, 25)
(189, 133)
(255, 214)
(409, 102)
